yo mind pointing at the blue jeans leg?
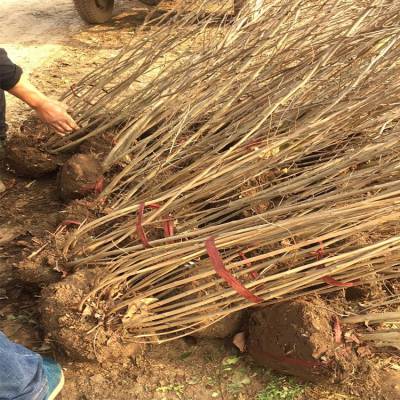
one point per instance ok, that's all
(21, 372)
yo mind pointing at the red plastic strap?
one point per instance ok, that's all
(97, 187)
(73, 86)
(319, 254)
(220, 269)
(253, 274)
(68, 222)
(168, 224)
(154, 206)
(139, 228)
(333, 282)
(297, 362)
(169, 227)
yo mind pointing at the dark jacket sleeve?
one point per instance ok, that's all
(10, 74)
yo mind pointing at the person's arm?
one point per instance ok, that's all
(50, 111)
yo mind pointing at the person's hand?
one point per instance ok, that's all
(50, 111)
(55, 114)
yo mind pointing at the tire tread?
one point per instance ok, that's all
(89, 12)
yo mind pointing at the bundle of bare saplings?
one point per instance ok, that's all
(234, 165)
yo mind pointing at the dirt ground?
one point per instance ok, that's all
(56, 48)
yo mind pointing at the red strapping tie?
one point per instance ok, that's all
(296, 361)
(168, 224)
(69, 222)
(319, 254)
(253, 274)
(97, 187)
(220, 269)
(333, 282)
(154, 206)
(301, 363)
(139, 228)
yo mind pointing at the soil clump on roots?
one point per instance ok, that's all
(98, 146)
(79, 176)
(78, 211)
(292, 337)
(81, 335)
(26, 153)
(223, 328)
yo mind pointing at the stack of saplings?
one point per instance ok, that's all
(229, 175)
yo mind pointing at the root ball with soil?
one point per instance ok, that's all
(82, 336)
(79, 176)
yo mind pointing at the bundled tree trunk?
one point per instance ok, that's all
(247, 158)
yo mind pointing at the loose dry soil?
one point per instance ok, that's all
(56, 48)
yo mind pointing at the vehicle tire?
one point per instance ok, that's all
(151, 2)
(95, 11)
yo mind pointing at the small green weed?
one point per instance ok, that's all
(279, 388)
(174, 388)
